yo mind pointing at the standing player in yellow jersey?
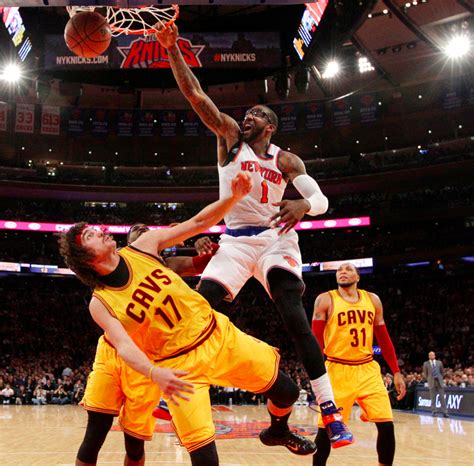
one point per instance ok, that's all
(344, 322)
(166, 331)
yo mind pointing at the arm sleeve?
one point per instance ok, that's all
(310, 190)
(318, 331)
(386, 345)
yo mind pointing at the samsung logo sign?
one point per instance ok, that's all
(452, 402)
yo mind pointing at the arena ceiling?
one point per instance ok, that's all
(403, 40)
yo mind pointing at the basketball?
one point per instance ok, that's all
(87, 34)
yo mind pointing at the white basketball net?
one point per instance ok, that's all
(138, 21)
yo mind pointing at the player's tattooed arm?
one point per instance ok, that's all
(290, 165)
(218, 122)
(322, 307)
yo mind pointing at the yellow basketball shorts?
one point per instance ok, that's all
(362, 383)
(228, 358)
(114, 388)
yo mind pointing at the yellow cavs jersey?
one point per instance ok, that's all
(164, 317)
(349, 334)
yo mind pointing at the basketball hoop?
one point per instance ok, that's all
(142, 21)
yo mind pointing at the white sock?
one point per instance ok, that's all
(322, 389)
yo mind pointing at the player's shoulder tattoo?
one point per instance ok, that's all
(290, 163)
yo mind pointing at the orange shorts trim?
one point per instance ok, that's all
(201, 444)
(275, 375)
(134, 434)
(99, 410)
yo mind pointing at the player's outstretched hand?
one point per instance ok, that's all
(290, 214)
(399, 385)
(167, 35)
(204, 245)
(241, 185)
(171, 384)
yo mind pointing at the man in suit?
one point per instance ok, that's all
(433, 373)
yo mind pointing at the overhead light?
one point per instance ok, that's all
(365, 65)
(369, 15)
(457, 46)
(420, 96)
(332, 69)
(385, 12)
(11, 73)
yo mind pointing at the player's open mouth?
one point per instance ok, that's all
(247, 127)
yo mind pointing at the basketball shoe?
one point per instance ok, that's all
(296, 443)
(162, 411)
(338, 432)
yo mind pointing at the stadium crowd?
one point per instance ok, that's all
(322, 167)
(48, 338)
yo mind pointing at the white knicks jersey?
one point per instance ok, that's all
(257, 207)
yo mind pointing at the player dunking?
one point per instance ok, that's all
(250, 246)
(148, 312)
(345, 321)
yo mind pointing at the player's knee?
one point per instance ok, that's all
(284, 284)
(98, 426)
(284, 392)
(134, 447)
(205, 456)
(212, 292)
(385, 442)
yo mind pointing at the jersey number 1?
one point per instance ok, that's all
(264, 198)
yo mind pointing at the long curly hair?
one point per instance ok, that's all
(78, 258)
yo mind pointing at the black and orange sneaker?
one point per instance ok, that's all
(296, 443)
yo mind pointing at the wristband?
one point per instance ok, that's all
(150, 371)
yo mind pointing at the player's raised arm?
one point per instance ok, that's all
(158, 240)
(218, 122)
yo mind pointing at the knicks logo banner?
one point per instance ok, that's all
(149, 53)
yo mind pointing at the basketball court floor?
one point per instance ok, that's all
(50, 436)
